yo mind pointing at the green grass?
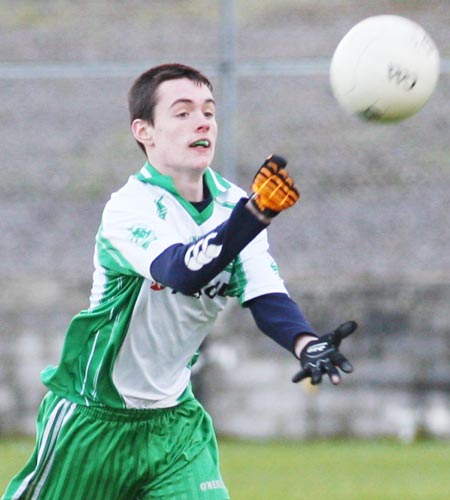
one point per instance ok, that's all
(14, 453)
(350, 470)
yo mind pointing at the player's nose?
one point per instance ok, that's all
(202, 125)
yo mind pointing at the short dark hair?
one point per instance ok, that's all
(142, 96)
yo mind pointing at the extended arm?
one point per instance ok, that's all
(187, 268)
(279, 317)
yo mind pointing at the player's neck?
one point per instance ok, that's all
(189, 185)
(188, 181)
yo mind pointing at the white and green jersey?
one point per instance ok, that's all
(134, 346)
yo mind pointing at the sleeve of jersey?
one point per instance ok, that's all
(129, 238)
(187, 268)
(280, 318)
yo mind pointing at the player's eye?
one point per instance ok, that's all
(182, 114)
(208, 114)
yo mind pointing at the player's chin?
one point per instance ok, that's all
(202, 158)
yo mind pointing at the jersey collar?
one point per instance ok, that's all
(217, 185)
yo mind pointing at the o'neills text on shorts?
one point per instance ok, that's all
(212, 485)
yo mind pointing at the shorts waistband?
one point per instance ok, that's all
(128, 414)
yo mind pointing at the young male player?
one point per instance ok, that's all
(120, 420)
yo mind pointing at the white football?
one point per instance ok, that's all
(384, 69)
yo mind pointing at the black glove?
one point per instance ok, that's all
(323, 356)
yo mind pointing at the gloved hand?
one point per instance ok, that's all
(273, 189)
(323, 356)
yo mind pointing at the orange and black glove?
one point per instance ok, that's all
(273, 190)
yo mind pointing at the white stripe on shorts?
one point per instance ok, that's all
(60, 414)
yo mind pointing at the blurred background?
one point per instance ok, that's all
(370, 240)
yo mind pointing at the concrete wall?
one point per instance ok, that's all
(401, 354)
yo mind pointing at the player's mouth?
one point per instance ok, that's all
(201, 144)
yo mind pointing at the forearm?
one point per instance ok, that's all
(281, 319)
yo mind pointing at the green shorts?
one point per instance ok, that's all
(89, 453)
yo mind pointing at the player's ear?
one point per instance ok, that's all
(142, 132)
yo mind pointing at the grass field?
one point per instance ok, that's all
(338, 470)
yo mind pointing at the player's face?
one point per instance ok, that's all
(185, 130)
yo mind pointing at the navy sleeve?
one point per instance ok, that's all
(188, 268)
(280, 318)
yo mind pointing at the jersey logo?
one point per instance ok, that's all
(160, 208)
(141, 236)
(202, 253)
